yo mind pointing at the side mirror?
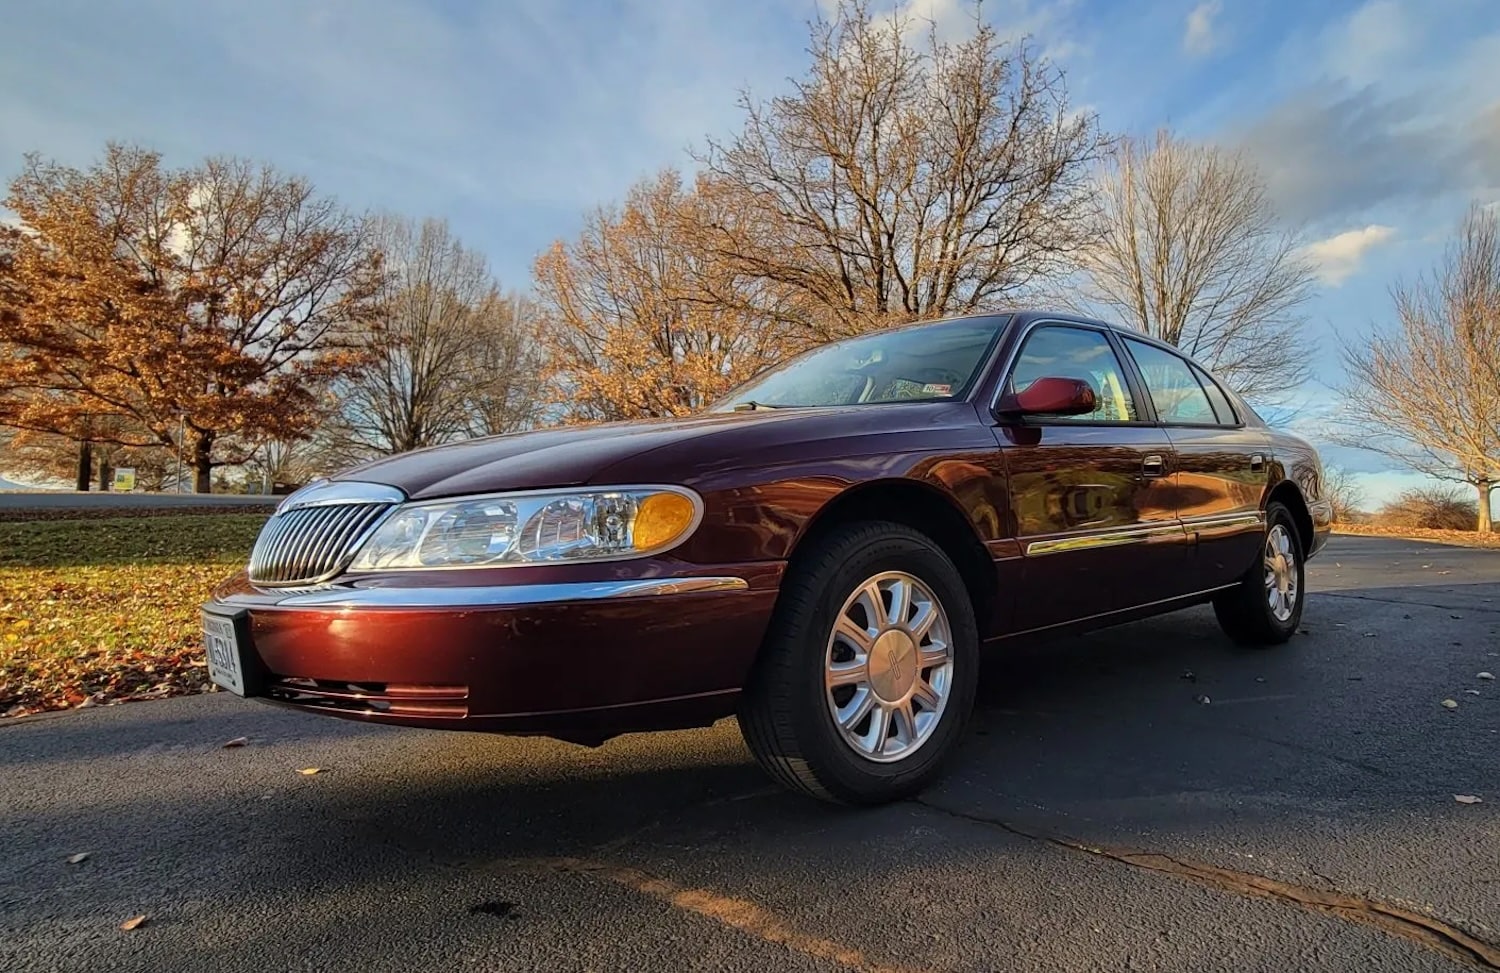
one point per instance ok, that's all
(1051, 396)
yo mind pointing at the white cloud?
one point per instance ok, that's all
(1201, 38)
(1364, 46)
(1338, 257)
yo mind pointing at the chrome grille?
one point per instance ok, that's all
(306, 544)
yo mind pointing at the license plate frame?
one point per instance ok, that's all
(232, 665)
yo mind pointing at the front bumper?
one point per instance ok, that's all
(578, 659)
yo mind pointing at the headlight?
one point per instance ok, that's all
(546, 527)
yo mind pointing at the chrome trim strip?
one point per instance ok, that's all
(497, 596)
(1110, 538)
(1225, 520)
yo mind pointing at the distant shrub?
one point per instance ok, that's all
(1436, 508)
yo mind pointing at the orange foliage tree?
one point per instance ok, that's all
(640, 321)
(137, 301)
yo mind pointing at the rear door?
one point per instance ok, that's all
(1222, 464)
(1090, 494)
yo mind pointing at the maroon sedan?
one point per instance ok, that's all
(824, 552)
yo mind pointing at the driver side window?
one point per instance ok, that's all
(1058, 351)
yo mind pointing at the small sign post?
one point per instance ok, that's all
(124, 479)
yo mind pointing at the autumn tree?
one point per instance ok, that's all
(85, 464)
(1189, 250)
(1428, 392)
(639, 319)
(450, 355)
(903, 177)
(216, 299)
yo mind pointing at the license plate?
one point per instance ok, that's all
(226, 664)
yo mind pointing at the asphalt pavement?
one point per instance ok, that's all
(1101, 816)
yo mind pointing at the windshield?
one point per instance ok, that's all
(927, 363)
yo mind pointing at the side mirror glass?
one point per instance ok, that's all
(1051, 396)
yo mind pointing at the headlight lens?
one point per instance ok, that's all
(532, 528)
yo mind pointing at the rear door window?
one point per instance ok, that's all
(1175, 392)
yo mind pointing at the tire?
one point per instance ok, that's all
(789, 710)
(1265, 608)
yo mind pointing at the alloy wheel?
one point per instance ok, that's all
(889, 667)
(1281, 573)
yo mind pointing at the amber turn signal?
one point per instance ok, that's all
(661, 519)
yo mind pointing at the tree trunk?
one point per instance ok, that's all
(1485, 524)
(85, 465)
(106, 472)
(203, 467)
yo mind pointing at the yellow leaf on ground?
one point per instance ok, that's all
(133, 923)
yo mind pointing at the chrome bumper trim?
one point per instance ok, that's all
(342, 598)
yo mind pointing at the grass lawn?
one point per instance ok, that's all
(102, 609)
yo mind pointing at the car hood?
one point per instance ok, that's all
(565, 456)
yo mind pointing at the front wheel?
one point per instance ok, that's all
(868, 673)
(1265, 608)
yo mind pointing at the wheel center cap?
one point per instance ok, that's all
(893, 666)
(1283, 573)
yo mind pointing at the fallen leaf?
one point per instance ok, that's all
(1369, 635)
(1449, 703)
(75, 859)
(309, 771)
(1260, 678)
(1467, 799)
(1472, 692)
(1486, 675)
(1202, 700)
(1407, 617)
(133, 923)
(236, 742)
(1189, 675)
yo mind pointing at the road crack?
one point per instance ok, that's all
(1433, 934)
(1400, 601)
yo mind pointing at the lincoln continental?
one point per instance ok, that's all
(824, 553)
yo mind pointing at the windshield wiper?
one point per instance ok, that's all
(750, 405)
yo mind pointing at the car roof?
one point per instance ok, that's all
(1024, 315)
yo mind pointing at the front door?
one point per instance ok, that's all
(1090, 495)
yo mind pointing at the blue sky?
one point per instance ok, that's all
(1375, 121)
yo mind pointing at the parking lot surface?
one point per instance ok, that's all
(1146, 798)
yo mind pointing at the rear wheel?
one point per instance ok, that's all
(1265, 608)
(867, 676)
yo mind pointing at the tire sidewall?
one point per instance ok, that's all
(853, 775)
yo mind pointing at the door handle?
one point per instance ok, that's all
(1257, 462)
(1153, 465)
